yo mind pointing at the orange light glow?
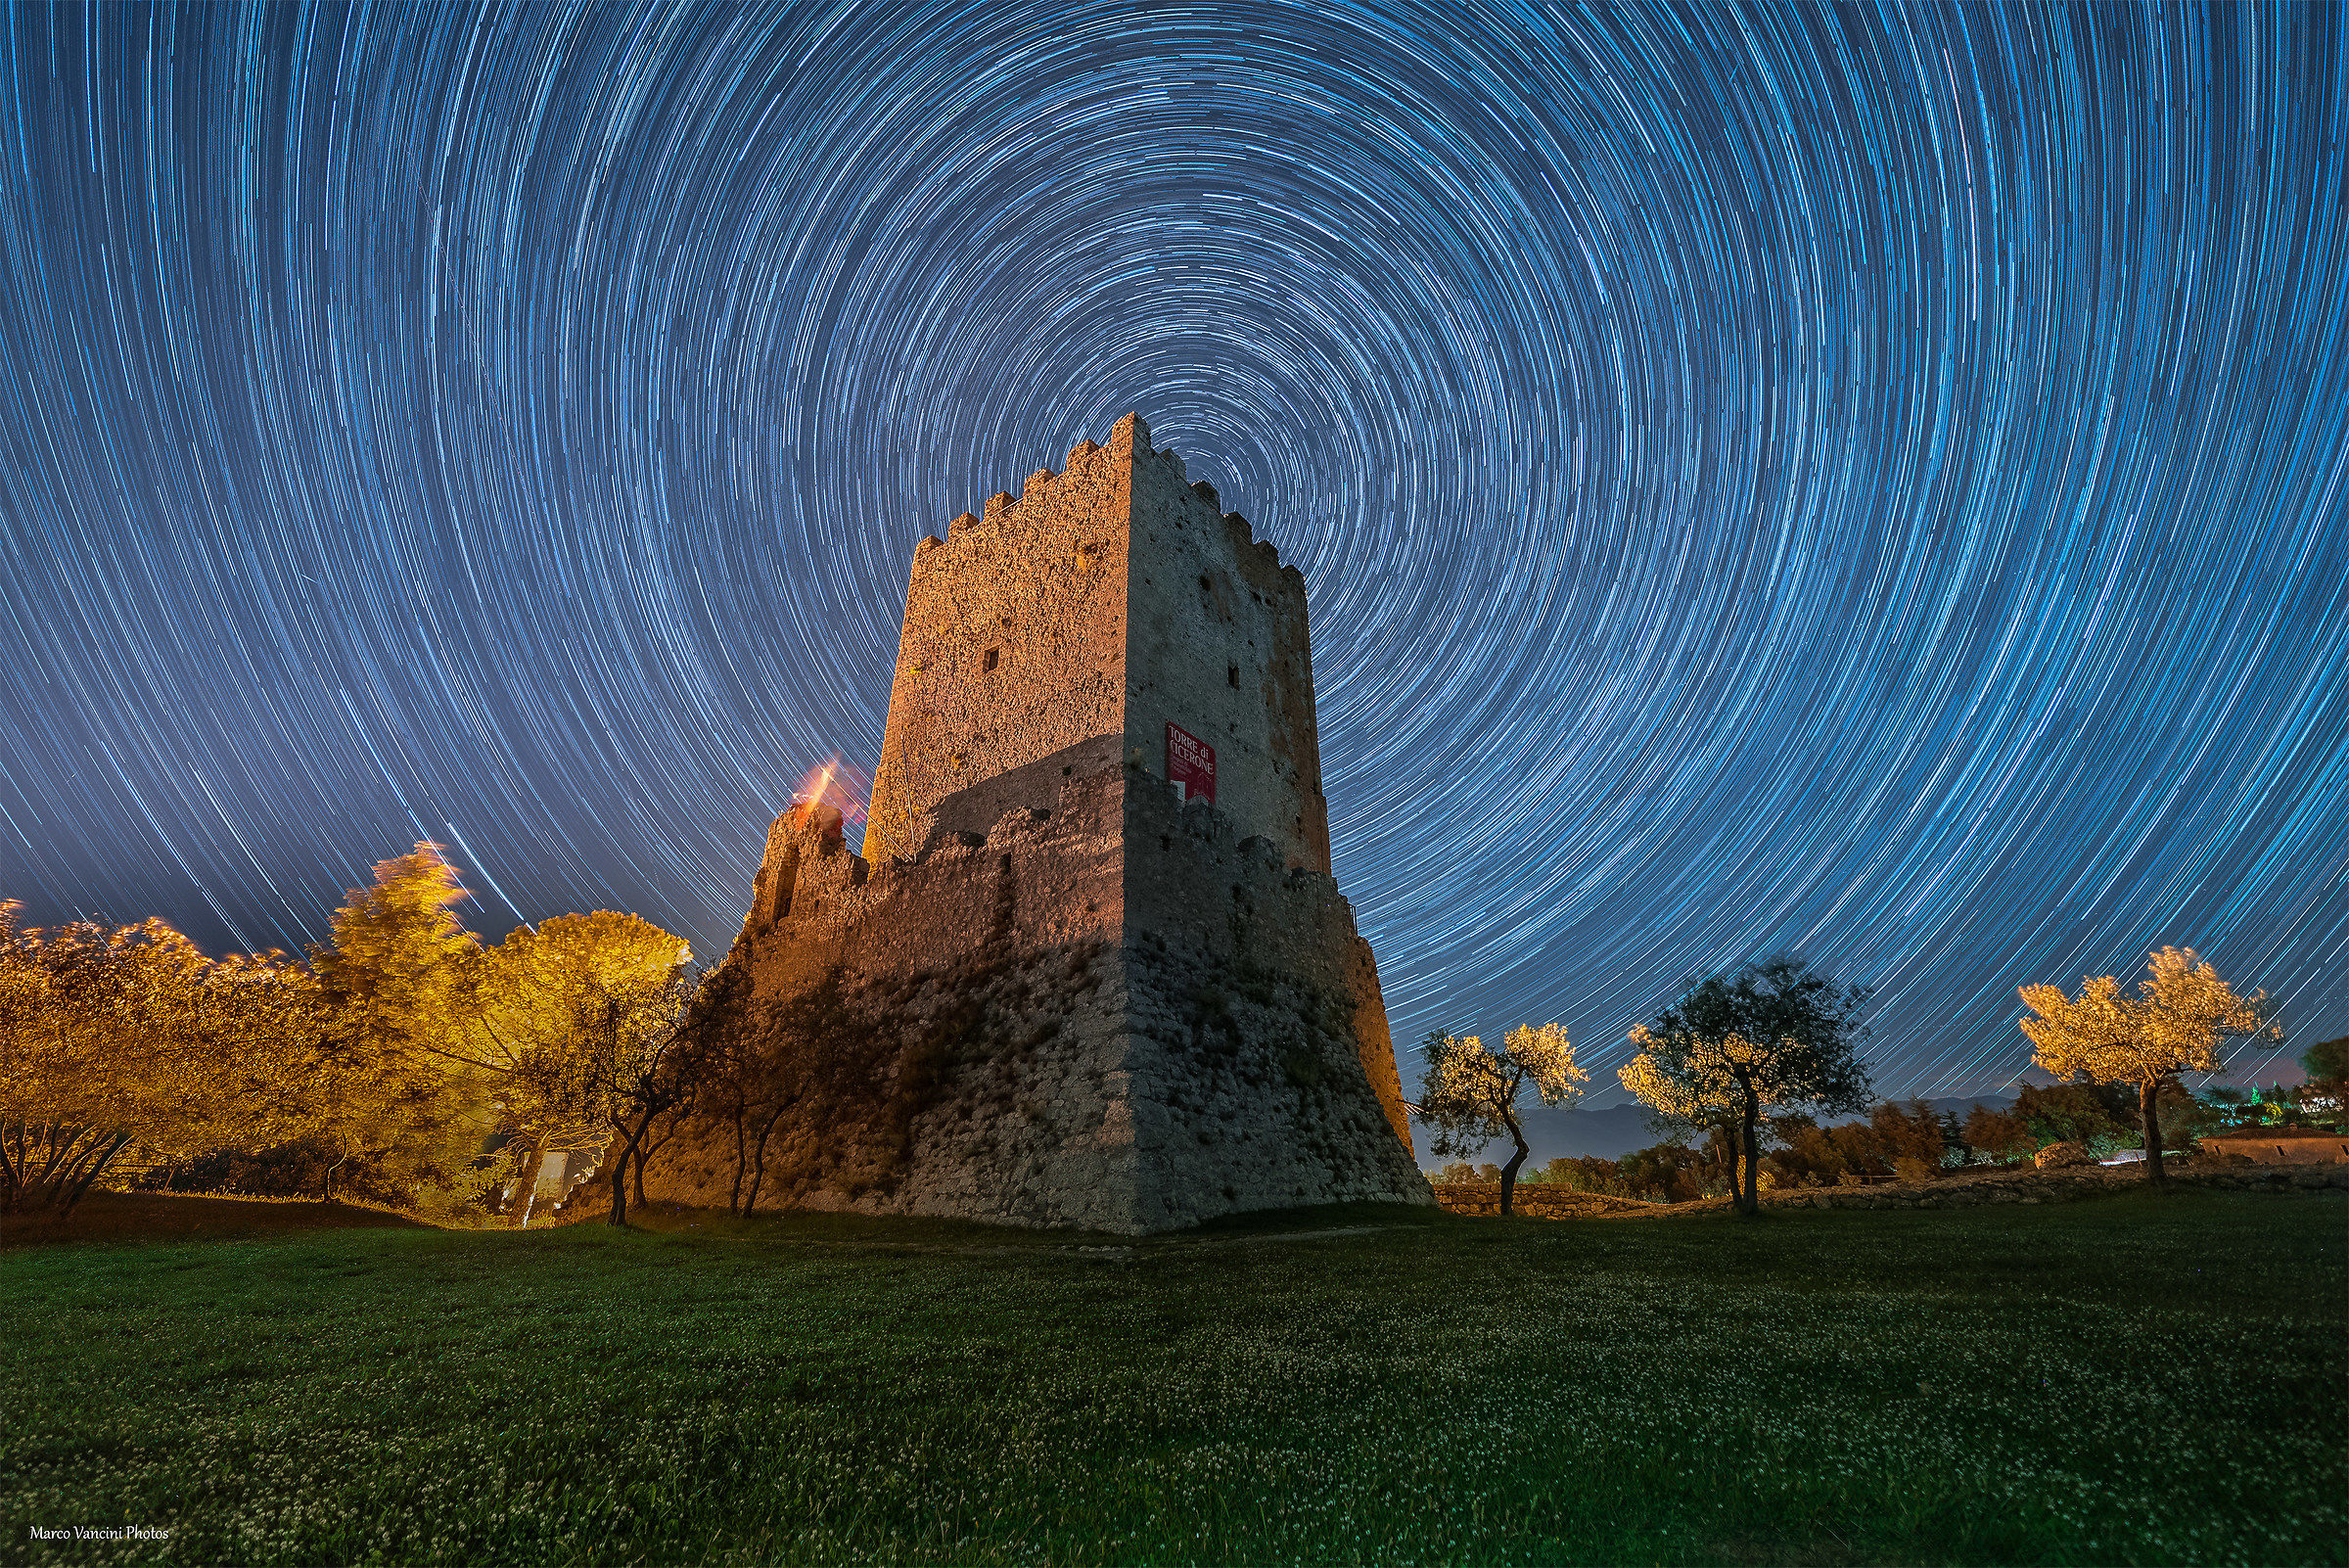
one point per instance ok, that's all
(834, 784)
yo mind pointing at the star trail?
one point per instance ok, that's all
(1871, 483)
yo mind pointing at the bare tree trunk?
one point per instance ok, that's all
(1749, 1198)
(97, 1163)
(758, 1169)
(734, 1198)
(12, 1163)
(630, 1143)
(526, 1186)
(2147, 1096)
(1508, 1173)
(645, 1151)
(64, 1146)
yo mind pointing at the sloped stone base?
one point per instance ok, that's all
(1108, 1016)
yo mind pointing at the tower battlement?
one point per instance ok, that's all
(1065, 630)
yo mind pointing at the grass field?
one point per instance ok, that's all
(2128, 1380)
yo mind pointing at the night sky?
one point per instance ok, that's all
(1870, 485)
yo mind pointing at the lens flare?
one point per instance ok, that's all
(836, 785)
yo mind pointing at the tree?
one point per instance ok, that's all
(543, 1003)
(2327, 1064)
(98, 1049)
(125, 1043)
(1772, 1036)
(1471, 1095)
(2075, 1113)
(394, 981)
(2000, 1133)
(2175, 1024)
(598, 1036)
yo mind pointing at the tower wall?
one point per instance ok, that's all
(1066, 628)
(1040, 584)
(1115, 1013)
(1218, 643)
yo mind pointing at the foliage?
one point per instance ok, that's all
(395, 980)
(1773, 1037)
(124, 1042)
(1974, 1385)
(1471, 1095)
(2176, 1024)
(2004, 1135)
(125, 1052)
(2327, 1064)
(593, 1048)
(563, 1016)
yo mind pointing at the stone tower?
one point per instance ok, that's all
(1092, 968)
(1062, 633)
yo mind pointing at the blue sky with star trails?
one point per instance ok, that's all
(1868, 483)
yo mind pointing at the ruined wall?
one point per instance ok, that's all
(1260, 1033)
(945, 1032)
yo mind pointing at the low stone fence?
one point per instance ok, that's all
(1543, 1200)
(1958, 1189)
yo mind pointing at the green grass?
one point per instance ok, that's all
(2135, 1379)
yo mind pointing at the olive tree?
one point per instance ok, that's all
(1771, 1037)
(1472, 1095)
(2175, 1024)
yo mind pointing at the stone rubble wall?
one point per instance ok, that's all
(1265, 1075)
(1967, 1189)
(1114, 1015)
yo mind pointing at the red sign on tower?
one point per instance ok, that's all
(1191, 766)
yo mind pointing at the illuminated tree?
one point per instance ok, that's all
(551, 1006)
(394, 981)
(2175, 1024)
(1773, 1037)
(126, 1044)
(1472, 1095)
(97, 1038)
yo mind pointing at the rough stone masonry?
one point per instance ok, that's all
(1092, 969)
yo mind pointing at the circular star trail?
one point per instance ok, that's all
(1867, 484)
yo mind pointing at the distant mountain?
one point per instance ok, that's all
(1615, 1130)
(1607, 1134)
(1953, 1103)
